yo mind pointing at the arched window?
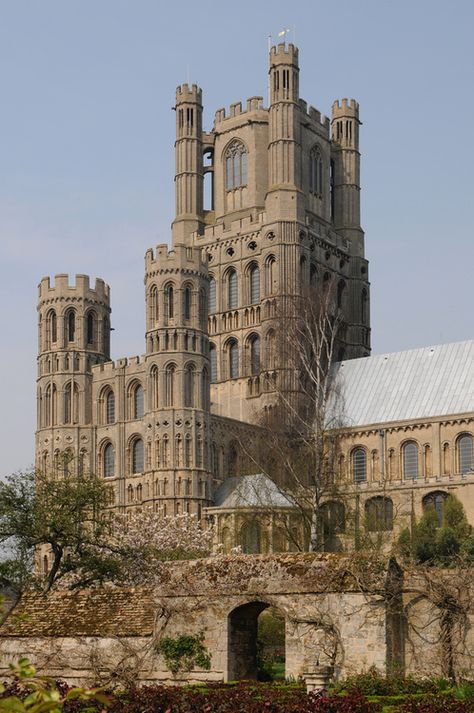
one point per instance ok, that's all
(109, 461)
(235, 165)
(138, 456)
(232, 290)
(169, 384)
(270, 349)
(187, 451)
(233, 358)
(91, 329)
(70, 325)
(332, 522)
(359, 465)
(254, 284)
(270, 276)
(254, 342)
(153, 391)
(166, 453)
(51, 327)
(189, 384)
(110, 407)
(51, 405)
(153, 305)
(213, 360)
(169, 302)
(379, 514)
(410, 460)
(465, 460)
(138, 401)
(178, 450)
(316, 172)
(436, 501)
(212, 295)
(187, 303)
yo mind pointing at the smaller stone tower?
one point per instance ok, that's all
(189, 178)
(178, 376)
(74, 334)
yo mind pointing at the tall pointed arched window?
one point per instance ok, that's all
(254, 284)
(316, 172)
(71, 403)
(410, 460)
(465, 453)
(70, 325)
(187, 303)
(153, 305)
(359, 465)
(138, 456)
(213, 361)
(436, 501)
(169, 384)
(232, 290)
(153, 391)
(203, 309)
(233, 358)
(189, 384)
(169, 302)
(212, 295)
(235, 165)
(51, 328)
(379, 514)
(270, 275)
(204, 389)
(109, 461)
(91, 329)
(51, 405)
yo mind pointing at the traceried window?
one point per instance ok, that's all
(410, 460)
(213, 360)
(232, 290)
(316, 172)
(212, 295)
(138, 456)
(235, 165)
(379, 514)
(359, 465)
(109, 461)
(233, 355)
(254, 284)
(465, 459)
(436, 501)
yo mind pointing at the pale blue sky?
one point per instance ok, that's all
(86, 152)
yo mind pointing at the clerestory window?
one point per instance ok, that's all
(235, 165)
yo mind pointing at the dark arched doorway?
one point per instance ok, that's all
(244, 649)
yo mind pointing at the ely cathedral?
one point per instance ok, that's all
(165, 428)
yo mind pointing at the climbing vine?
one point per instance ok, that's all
(184, 652)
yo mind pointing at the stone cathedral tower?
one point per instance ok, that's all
(267, 202)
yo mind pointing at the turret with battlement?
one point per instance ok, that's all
(73, 335)
(189, 162)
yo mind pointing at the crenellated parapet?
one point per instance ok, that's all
(63, 290)
(179, 258)
(283, 53)
(254, 106)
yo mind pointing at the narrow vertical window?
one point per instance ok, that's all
(189, 379)
(410, 460)
(109, 461)
(203, 309)
(138, 402)
(187, 303)
(154, 386)
(138, 456)
(91, 329)
(233, 359)
(205, 389)
(110, 407)
(212, 295)
(70, 326)
(235, 165)
(359, 465)
(254, 279)
(465, 459)
(169, 302)
(52, 327)
(153, 305)
(232, 292)
(255, 354)
(213, 360)
(169, 385)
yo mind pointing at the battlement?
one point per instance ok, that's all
(63, 288)
(185, 93)
(347, 107)
(254, 104)
(314, 114)
(180, 256)
(109, 368)
(284, 54)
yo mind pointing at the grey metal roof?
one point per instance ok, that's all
(418, 383)
(250, 491)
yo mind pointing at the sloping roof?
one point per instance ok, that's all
(418, 383)
(250, 491)
(88, 612)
